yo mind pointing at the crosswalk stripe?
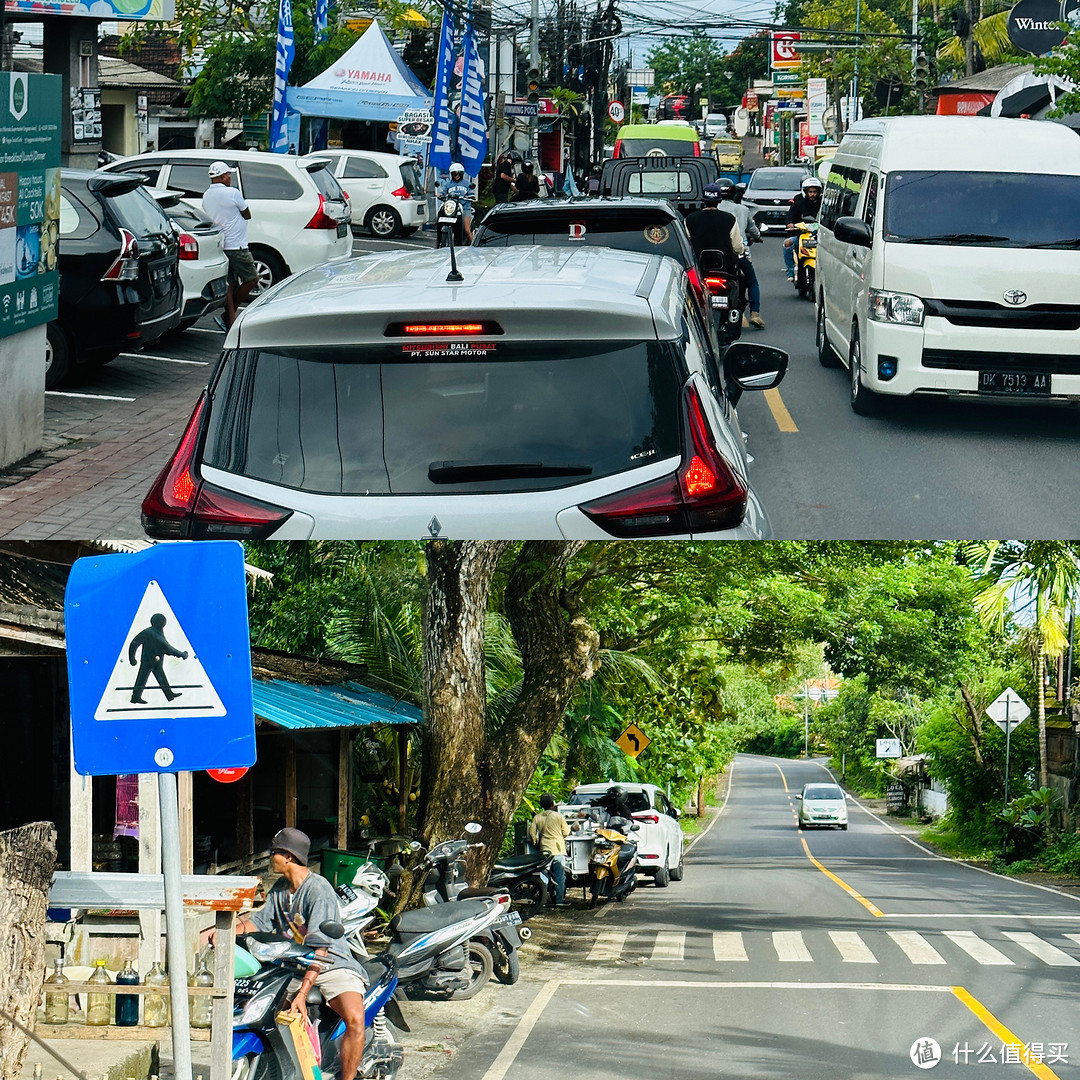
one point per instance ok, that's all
(728, 945)
(980, 951)
(608, 945)
(1074, 937)
(852, 948)
(790, 947)
(1043, 950)
(917, 948)
(669, 945)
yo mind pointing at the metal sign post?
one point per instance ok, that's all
(1008, 710)
(168, 800)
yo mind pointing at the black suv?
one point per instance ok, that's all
(119, 278)
(679, 180)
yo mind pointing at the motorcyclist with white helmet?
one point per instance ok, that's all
(457, 187)
(804, 207)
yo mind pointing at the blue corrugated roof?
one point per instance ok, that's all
(298, 705)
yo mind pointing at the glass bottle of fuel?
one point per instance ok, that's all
(127, 1005)
(57, 1000)
(99, 1007)
(201, 1006)
(156, 1007)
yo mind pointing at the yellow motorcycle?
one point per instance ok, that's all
(805, 258)
(613, 863)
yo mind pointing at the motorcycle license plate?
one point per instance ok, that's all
(448, 221)
(1031, 383)
(719, 301)
(511, 918)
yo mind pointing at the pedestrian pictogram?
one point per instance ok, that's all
(157, 667)
(632, 741)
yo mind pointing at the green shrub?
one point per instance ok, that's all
(784, 737)
(1063, 857)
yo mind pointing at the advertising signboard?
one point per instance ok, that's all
(29, 200)
(783, 49)
(817, 99)
(1033, 25)
(122, 10)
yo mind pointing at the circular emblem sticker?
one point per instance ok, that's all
(163, 756)
(657, 234)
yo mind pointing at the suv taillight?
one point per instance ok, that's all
(401, 193)
(322, 220)
(180, 505)
(704, 494)
(650, 818)
(189, 246)
(126, 265)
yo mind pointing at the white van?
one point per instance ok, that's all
(715, 124)
(948, 259)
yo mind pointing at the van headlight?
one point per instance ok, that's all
(896, 307)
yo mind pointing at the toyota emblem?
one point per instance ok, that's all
(1014, 296)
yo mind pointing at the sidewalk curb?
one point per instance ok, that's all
(717, 811)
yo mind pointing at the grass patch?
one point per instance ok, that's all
(949, 840)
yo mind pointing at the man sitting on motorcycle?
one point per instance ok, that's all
(548, 831)
(751, 234)
(300, 901)
(714, 229)
(804, 207)
(457, 187)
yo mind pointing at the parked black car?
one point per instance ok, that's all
(119, 278)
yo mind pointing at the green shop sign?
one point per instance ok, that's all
(29, 199)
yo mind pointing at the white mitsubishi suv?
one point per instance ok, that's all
(660, 838)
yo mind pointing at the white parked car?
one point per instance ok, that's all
(822, 806)
(299, 214)
(660, 838)
(386, 190)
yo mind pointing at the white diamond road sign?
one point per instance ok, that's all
(1008, 710)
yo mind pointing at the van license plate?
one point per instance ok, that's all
(1035, 383)
(342, 228)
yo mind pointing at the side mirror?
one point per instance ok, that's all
(853, 230)
(473, 827)
(749, 366)
(676, 813)
(415, 845)
(799, 796)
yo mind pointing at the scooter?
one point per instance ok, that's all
(451, 223)
(526, 878)
(262, 1044)
(806, 258)
(726, 293)
(359, 901)
(613, 864)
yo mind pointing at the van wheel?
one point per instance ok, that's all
(383, 221)
(864, 402)
(827, 357)
(268, 268)
(58, 355)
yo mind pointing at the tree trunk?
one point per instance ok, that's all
(27, 861)
(1040, 691)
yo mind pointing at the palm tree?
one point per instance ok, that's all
(1045, 573)
(990, 36)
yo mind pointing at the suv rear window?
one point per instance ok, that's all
(411, 177)
(138, 211)
(644, 230)
(326, 183)
(447, 417)
(636, 800)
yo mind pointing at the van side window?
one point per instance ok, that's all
(870, 209)
(851, 190)
(830, 201)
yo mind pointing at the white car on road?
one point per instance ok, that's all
(660, 838)
(822, 806)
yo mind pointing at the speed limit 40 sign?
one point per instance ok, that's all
(616, 111)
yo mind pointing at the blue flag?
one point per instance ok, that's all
(472, 128)
(286, 47)
(441, 154)
(322, 12)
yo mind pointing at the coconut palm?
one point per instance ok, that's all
(991, 37)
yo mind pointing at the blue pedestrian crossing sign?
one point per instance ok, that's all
(159, 662)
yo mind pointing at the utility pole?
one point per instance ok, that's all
(534, 62)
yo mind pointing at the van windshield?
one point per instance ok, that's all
(983, 208)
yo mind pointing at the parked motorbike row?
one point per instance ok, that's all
(450, 948)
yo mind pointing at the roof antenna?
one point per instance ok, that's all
(450, 215)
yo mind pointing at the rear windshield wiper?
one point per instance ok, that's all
(1073, 243)
(959, 238)
(463, 472)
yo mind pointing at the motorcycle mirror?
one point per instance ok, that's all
(415, 845)
(474, 827)
(634, 828)
(332, 928)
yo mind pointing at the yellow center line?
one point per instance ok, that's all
(782, 776)
(873, 909)
(1040, 1070)
(779, 411)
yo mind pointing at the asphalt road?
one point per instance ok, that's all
(926, 468)
(826, 955)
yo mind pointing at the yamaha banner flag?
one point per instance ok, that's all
(441, 153)
(472, 127)
(286, 47)
(322, 10)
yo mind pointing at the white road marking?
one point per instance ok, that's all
(203, 330)
(852, 948)
(790, 947)
(1043, 950)
(608, 945)
(917, 948)
(507, 1055)
(670, 945)
(974, 914)
(980, 951)
(1074, 937)
(728, 945)
(95, 397)
(164, 359)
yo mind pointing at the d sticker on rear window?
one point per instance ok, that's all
(459, 350)
(657, 234)
(577, 230)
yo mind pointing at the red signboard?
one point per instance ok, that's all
(227, 776)
(783, 50)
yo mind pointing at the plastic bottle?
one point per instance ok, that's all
(201, 1005)
(99, 1007)
(156, 1008)
(57, 1001)
(127, 1005)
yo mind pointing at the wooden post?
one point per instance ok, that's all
(221, 1017)
(403, 776)
(149, 863)
(344, 799)
(290, 781)
(187, 823)
(81, 811)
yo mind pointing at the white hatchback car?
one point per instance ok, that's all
(299, 214)
(822, 806)
(660, 838)
(386, 190)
